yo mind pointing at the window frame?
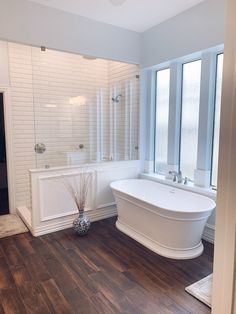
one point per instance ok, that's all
(181, 108)
(214, 118)
(155, 117)
(176, 92)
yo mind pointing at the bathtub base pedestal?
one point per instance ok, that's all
(157, 247)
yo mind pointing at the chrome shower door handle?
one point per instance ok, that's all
(40, 148)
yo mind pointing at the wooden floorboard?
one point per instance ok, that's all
(103, 272)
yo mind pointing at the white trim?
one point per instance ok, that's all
(9, 147)
(25, 215)
(206, 113)
(209, 233)
(202, 178)
(47, 218)
(148, 166)
(225, 237)
(94, 215)
(106, 205)
(59, 176)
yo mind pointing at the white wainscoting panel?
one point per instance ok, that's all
(52, 206)
(54, 198)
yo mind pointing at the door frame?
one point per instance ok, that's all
(224, 271)
(5, 90)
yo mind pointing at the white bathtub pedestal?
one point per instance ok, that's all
(157, 247)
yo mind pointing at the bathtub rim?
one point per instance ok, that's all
(120, 192)
(174, 215)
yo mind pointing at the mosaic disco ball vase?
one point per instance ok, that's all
(81, 225)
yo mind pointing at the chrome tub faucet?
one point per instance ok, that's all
(177, 176)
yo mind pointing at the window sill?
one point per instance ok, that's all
(188, 187)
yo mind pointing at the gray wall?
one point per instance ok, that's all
(30, 23)
(196, 29)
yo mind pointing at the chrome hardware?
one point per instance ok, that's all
(39, 148)
(104, 158)
(186, 180)
(177, 176)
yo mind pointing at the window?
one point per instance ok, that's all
(217, 120)
(179, 143)
(190, 117)
(162, 115)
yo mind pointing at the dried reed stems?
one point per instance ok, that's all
(79, 190)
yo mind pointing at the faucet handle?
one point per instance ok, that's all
(186, 180)
(174, 174)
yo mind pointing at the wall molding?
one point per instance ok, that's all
(9, 146)
(41, 180)
(209, 233)
(53, 226)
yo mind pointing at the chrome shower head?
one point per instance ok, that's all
(116, 99)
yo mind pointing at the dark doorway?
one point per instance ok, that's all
(4, 203)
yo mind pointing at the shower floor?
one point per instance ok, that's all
(103, 272)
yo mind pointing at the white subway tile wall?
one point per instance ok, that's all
(65, 101)
(23, 132)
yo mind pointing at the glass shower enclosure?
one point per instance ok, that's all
(85, 109)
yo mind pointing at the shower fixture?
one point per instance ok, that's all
(116, 99)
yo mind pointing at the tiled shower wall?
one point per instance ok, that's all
(66, 93)
(23, 131)
(63, 101)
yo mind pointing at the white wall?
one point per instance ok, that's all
(199, 28)
(30, 23)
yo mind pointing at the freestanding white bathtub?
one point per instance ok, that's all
(167, 220)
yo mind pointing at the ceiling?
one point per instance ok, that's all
(135, 15)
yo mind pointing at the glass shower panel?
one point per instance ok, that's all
(86, 110)
(124, 119)
(66, 87)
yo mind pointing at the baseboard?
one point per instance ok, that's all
(209, 233)
(52, 226)
(94, 215)
(25, 215)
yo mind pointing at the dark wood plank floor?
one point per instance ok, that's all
(103, 272)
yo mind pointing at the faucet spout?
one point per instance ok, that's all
(177, 176)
